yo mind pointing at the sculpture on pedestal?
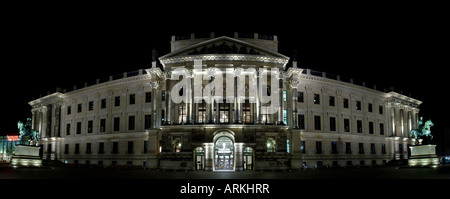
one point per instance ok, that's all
(422, 130)
(27, 153)
(27, 135)
(423, 155)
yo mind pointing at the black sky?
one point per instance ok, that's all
(402, 47)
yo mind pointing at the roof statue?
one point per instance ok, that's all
(27, 135)
(422, 130)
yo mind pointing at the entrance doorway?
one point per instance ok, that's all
(199, 158)
(224, 154)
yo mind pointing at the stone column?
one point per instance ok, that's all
(209, 156)
(280, 101)
(168, 102)
(43, 129)
(217, 111)
(258, 102)
(413, 119)
(211, 72)
(237, 99)
(239, 152)
(33, 118)
(57, 119)
(155, 86)
(192, 108)
(195, 113)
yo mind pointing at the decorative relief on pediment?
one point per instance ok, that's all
(224, 48)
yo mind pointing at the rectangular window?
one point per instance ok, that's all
(370, 127)
(145, 146)
(348, 148)
(66, 149)
(78, 127)
(345, 103)
(117, 124)
(347, 125)
(301, 121)
(303, 147)
(361, 148)
(181, 114)
(102, 125)
(246, 111)
(285, 116)
(332, 124)
(131, 120)
(381, 129)
(90, 126)
(91, 106)
(380, 110)
(101, 148)
(80, 108)
(359, 127)
(358, 105)
(132, 99)
(331, 101)
(88, 148)
(69, 110)
(372, 149)
(148, 97)
(300, 97)
(163, 96)
(202, 112)
(77, 148)
(103, 104)
(224, 112)
(318, 147)
(115, 149)
(147, 121)
(400, 148)
(317, 124)
(383, 148)
(370, 108)
(334, 148)
(68, 129)
(284, 96)
(117, 101)
(130, 147)
(316, 99)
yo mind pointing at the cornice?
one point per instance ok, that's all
(225, 57)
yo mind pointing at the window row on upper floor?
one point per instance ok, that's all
(131, 100)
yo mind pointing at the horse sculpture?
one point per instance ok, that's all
(422, 130)
(25, 130)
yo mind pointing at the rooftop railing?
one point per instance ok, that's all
(229, 34)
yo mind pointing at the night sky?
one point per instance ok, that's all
(401, 47)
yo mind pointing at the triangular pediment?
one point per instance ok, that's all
(223, 45)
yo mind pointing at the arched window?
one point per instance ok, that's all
(271, 145)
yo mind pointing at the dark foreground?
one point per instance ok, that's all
(341, 173)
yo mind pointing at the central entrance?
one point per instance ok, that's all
(224, 154)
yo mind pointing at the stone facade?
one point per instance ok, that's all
(321, 120)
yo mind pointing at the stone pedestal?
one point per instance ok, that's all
(26, 156)
(423, 156)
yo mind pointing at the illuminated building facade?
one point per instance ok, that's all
(130, 119)
(7, 145)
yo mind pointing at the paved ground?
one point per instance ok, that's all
(353, 173)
